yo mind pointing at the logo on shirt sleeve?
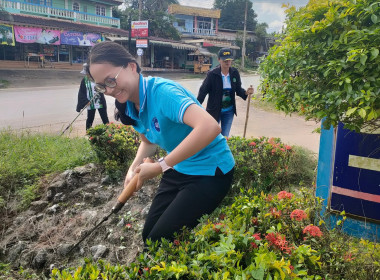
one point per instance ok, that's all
(155, 125)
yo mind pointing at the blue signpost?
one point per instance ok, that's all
(349, 179)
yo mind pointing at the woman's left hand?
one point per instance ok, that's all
(147, 171)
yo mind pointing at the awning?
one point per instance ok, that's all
(180, 46)
(111, 38)
(202, 51)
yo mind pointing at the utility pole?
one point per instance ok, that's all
(244, 35)
(140, 7)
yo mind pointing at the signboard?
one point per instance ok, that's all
(140, 52)
(356, 175)
(80, 39)
(348, 179)
(37, 35)
(6, 35)
(141, 43)
(139, 28)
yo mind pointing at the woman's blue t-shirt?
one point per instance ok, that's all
(162, 107)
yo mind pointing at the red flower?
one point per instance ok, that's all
(288, 147)
(254, 150)
(284, 194)
(312, 230)
(254, 245)
(128, 226)
(217, 227)
(348, 257)
(269, 197)
(91, 138)
(252, 144)
(278, 241)
(222, 216)
(298, 215)
(257, 236)
(109, 135)
(291, 267)
(255, 221)
(176, 242)
(276, 214)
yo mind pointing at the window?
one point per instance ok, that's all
(181, 23)
(42, 2)
(76, 6)
(100, 10)
(204, 23)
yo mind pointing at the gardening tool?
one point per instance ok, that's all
(96, 95)
(121, 200)
(247, 114)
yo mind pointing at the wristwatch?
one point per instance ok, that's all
(164, 165)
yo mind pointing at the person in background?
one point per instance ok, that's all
(198, 168)
(221, 84)
(86, 95)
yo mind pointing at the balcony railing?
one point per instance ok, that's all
(196, 31)
(42, 10)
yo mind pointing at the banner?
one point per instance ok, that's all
(6, 35)
(141, 43)
(37, 35)
(139, 28)
(80, 39)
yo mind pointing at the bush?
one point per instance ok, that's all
(24, 158)
(115, 146)
(274, 236)
(263, 164)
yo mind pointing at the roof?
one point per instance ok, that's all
(20, 19)
(193, 11)
(114, 2)
(202, 51)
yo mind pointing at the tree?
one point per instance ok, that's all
(232, 14)
(327, 64)
(160, 22)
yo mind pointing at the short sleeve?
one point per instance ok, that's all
(174, 101)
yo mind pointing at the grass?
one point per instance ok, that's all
(4, 83)
(25, 157)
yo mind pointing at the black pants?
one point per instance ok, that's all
(181, 200)
(91, 116)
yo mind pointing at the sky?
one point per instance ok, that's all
(269, 11)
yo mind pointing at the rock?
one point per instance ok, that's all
(38, 206)
(40, 259)
(52, 210)
(106, 180)
(121, 223)
(145, 211)
(15, 251)
(59, 197)
(89, 215)
(64, 249)
(98, 251)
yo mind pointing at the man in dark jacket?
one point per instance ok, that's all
(221, 84)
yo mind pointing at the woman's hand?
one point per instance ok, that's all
(147, 171)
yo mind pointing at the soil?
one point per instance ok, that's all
(70, 205)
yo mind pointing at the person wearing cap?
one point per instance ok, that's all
(222, 84)
(86, 98)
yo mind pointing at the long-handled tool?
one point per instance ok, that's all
(121, 200)
(247, 113)
(81, 111)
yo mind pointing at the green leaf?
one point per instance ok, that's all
(362, 113)
(374, 18)
(374, 53)
(351, 111)
(372, 115)
(363, 59)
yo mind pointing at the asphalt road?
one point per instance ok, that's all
(51, 108)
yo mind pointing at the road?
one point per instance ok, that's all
(51, 109)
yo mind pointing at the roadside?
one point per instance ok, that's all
(262, 121)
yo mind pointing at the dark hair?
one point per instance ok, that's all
(111, 52)
(120, 114)
(117, 55)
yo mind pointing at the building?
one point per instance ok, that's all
(39, 32)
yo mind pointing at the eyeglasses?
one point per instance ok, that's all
(108, 82)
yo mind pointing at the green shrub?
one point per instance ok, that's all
(263, 164)
(272, 236)
(25, 157)
(115, 145)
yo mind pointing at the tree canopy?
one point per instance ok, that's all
(327, 64)
(160, 22)
(232, 14)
